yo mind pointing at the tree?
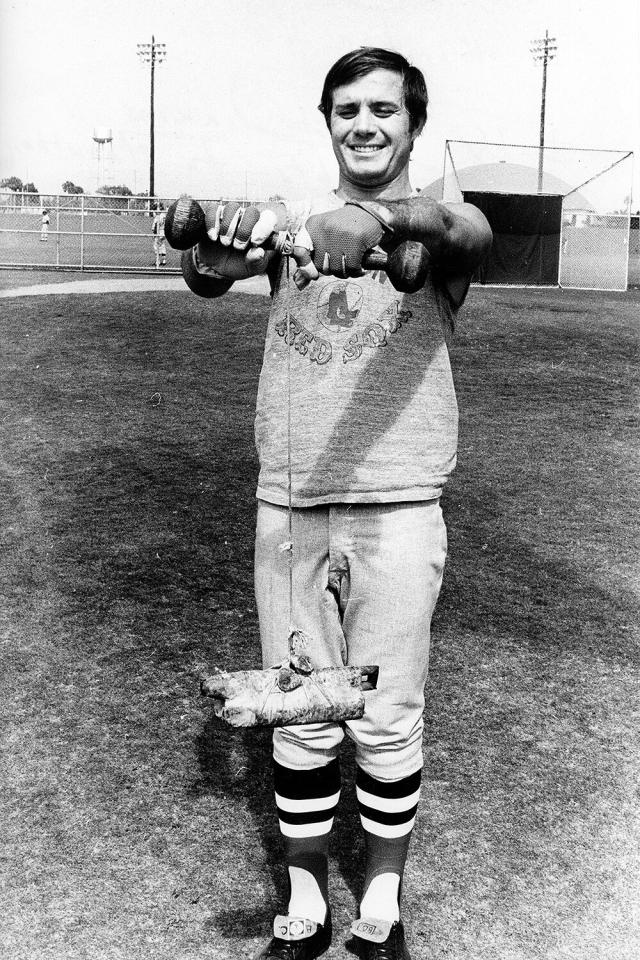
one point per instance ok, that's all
(12, 183)
(30, 188)
(69, 187)
(117, 191)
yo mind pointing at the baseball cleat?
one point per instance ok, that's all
(380, 939)
(295, 938)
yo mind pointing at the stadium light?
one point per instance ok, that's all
(544, 50)
(152, 53)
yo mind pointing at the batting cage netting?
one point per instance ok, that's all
(560, 215)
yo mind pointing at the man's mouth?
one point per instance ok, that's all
(369, 148)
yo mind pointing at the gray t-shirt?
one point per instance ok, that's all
(356, 397)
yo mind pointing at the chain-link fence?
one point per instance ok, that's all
(595, 246)
(114, 233)
(81, 232)
(595, 252)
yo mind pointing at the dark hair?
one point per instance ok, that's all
(365, 60)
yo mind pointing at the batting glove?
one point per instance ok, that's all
(232, 230)
(341, 238)
(240, 227)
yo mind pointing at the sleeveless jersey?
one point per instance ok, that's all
(356, 402)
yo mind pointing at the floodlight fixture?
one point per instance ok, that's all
(152, 53)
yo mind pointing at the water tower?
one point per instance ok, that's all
(103, 138)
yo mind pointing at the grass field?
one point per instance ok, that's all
(133, 824)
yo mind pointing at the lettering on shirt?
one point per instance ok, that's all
(338, 312)
(375, 334)
(296, 335)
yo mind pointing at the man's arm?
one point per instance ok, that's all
(457, 235)
(469, 239)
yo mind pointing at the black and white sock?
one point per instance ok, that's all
(306, 801)
(387, 811)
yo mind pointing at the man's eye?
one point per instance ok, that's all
(384, 111)
(346, 113)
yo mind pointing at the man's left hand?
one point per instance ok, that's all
(341, 238)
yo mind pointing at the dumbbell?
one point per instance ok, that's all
(406, 265)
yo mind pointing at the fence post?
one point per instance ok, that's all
(82, 231)
(57, 230)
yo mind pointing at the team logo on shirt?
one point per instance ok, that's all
(339, 305)
(340, 326)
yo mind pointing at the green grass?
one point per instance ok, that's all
(133, 824)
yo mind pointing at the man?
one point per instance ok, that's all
(44, 226)
(159, 240)
(356, 430)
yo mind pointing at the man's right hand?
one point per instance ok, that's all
(232, 247)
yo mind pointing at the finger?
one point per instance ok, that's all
(303, 239)
(246, 223)
(301, 279)
(213, 217)
(305, 274)
(264, 227)
(254, 258)
(302, 257)
(335, 263)
(229, 222)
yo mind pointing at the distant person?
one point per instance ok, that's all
(44, 226)
(159, 241)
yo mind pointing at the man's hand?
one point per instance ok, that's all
(456, 235)
(232, 247)
(340, 239)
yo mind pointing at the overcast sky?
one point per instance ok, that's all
(236, 98)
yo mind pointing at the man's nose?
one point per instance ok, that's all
(363, 122)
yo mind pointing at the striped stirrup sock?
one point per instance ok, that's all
(387, 812)
(388, 807)
(306, 801)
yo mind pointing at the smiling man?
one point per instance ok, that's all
(373, 131)
(356, 430)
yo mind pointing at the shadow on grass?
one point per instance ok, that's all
(187, 568)
(503, 603)
(140, 499)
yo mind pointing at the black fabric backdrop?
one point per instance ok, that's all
(526, 237)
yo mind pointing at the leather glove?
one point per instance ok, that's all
(232, 248)
(341, 238)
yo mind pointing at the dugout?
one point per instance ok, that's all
(560, 215)
(526, 237)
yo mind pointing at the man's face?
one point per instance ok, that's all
(371, 129)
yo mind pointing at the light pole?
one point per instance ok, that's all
(152, 53)
(544, 50)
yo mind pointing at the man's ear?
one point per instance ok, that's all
(417, 131)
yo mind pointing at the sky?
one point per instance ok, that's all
(236, 98)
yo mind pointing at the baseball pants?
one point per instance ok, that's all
(366, 578)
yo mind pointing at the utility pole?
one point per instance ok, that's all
(544, 50)
(152, 53)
